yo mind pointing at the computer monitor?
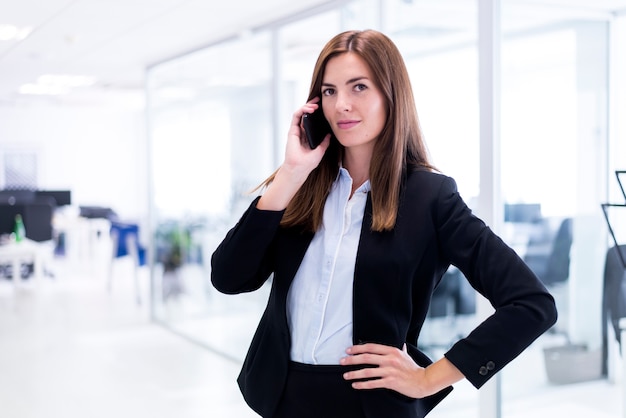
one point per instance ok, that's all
(13, 196)
(522, 212)
(61, 197)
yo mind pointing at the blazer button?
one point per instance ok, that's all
(490, 365)
(483, 371)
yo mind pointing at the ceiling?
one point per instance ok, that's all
(115, 40)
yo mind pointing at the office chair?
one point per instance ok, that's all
(125, 242)
(452, 299)
(614, 284)
(613, 298)
(549, 256)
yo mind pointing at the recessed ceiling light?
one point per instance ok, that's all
(12, 32)
(40, 89)
(66, 80)
(55, 84)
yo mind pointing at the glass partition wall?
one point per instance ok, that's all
(554, 138)
(211, 142)
(211, 116)
(218, 118)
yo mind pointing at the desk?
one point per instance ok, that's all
(84, 237)
(26, 251)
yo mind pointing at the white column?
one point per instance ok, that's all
(278, 127)
(589, 246)
(489, 202)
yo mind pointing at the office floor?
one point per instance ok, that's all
(70, 349)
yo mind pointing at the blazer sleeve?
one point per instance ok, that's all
(523, 307)
(242, 261)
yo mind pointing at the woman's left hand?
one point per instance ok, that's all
(395, 370)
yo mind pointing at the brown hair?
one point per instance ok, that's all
(398, 148)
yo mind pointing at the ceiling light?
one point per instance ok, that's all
(41, 89)
(23, 33)
(12, 32)
(176, 93)
(56, 84)
(66, 80)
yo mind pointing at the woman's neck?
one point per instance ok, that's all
(357, 162)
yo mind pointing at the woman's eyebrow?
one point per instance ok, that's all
(355, 79)
(352, 80)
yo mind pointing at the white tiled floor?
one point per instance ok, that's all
(70, 349)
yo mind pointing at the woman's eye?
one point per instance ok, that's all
(328, 92)
(360, 87)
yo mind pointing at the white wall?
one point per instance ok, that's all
(98, 151)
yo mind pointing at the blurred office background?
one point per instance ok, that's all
(139, 128)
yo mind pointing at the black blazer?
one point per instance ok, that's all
(395, 275)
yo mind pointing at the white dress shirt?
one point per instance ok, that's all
(319, 303)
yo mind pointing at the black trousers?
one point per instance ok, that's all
(314, 391)
(322, 392)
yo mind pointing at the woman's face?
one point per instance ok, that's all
(352, 103)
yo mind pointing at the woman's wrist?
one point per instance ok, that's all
(441, 374)
(283, 188)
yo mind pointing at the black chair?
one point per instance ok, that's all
(613, 298)
(452, 299)
(614, 283)
(549, 256)
(452, 296)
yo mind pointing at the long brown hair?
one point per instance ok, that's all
(398, 148)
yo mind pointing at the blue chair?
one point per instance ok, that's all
(125, 240)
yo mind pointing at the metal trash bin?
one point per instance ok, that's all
(572, 363)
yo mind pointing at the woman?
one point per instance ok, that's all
(357, 232)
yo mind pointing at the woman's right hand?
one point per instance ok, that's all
(299, 161)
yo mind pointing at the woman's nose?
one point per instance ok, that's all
(343, 102)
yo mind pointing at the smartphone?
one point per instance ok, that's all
(316, 127)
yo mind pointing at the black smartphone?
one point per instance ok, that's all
(316, 127)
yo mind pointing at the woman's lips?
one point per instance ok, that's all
(347, 124)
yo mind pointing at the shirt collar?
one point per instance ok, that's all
(344, 175)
